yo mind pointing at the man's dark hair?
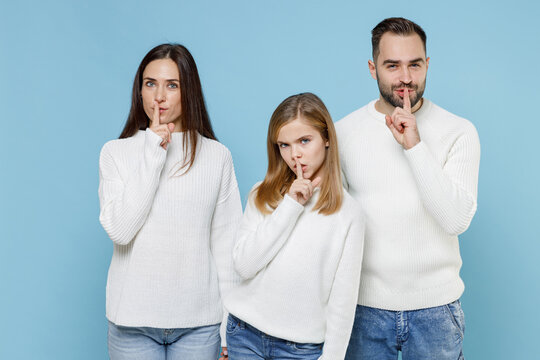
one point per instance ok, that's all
(395, 25)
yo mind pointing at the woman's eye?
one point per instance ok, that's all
(282, 146)
(149, 83)
(304, 141)
(173, 86)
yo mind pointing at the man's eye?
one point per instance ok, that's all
(392, 66)
(415, 65)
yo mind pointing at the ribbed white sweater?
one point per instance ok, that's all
(301, 272)
(173, 234)
(416, 202)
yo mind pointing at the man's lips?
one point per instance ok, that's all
(401, 92)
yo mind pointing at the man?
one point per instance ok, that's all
(413, 167)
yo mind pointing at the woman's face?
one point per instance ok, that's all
(299, 140)
(161, 84)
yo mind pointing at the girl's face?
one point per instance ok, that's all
(161, 83)
(299, 140)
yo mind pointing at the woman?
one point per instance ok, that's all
(299, 246)
(170, 204)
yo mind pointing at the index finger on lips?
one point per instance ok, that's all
(406, 101)
(155, 116)
(299, 172)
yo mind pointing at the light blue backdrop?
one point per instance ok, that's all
(66, 75)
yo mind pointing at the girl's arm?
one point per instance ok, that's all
(125, 203)
(260, 237)
(344, 294)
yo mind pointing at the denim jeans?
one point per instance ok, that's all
(433, 333)
(146, 343)
(244, 342)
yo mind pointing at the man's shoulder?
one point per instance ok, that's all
(448, 118)
(353, 120)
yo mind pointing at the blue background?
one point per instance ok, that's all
(66, 74)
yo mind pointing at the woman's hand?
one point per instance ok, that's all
(224, 354)
(162, 130)
(301, 189)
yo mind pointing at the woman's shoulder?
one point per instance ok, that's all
(215, 147)
(118, 146)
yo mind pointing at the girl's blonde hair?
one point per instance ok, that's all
(279, 176)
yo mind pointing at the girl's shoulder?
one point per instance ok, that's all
(350, 208)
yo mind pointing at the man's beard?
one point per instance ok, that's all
(390, 97)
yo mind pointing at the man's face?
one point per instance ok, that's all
(401, 64)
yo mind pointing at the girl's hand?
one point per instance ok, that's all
(162, 130)
(301, 189)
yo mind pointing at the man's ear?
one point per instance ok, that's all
(427, 63)
(372, 69)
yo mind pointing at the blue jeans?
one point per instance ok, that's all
(146, 343)
(433, 333)
(244, 342)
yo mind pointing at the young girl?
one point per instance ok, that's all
(299, 247)
(170, 204)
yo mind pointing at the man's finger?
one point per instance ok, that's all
(406, 101)
(299, 172)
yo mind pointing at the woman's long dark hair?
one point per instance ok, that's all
(194, 118)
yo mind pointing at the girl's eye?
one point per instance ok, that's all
(304, 141)
(282, 145)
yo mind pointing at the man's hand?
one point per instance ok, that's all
(402, 124)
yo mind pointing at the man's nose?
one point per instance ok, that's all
(405, 76)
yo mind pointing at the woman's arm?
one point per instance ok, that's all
(227, 216)
(125, 203)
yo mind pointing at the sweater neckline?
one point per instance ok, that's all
(381, 117)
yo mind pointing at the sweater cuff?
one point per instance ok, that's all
(151, 145)
(417, 153)
(291, 206)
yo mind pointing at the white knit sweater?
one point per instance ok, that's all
(301, 272)
(416, 202)
(173, 234)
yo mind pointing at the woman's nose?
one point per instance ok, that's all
(160, 95)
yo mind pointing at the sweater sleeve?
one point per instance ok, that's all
(227, 216)
(126, 202)
(449, 192)
(344, 294)
(261, 237)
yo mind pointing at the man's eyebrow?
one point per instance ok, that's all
(391, 61)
